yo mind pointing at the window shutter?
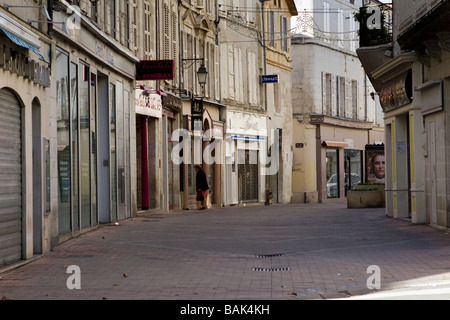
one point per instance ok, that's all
(166, 49)
(217, 72)
(348, 98)
(231, 72)
(175, 43)
(224, 70)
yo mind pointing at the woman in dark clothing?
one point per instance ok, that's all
(202, 184)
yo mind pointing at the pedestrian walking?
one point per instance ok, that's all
(202, 186)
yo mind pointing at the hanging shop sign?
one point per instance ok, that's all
(196, 107)
(397, 92)
(148, 104)
(155, 70)
(171, 102)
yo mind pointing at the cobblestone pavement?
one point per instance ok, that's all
(306, 251)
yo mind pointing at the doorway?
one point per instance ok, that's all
(353, 169)
(104, 199)
(37, 177)
(433, 173)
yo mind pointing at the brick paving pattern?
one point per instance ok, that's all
(306, 251)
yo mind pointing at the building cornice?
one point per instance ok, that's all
(320, 119)
(394, 67)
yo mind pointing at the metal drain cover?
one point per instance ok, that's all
(273, 255)
(271, 269)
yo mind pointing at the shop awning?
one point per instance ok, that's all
(21, 42)
(335, 144)
(236, 137)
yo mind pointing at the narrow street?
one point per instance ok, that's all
(281, 252)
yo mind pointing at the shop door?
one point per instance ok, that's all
(10, 178)
(103, 154)
(353, 169)
(248, 175)
(433, 174)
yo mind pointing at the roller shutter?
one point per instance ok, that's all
(10, 178)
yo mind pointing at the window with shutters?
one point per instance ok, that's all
(166, 47)
(175, 41)
(133, 41)
(112, 13)
(341, 96)
(224, 70)
(189, 54)
(355, 99)
(335, 95)
(252, 79)
(94, 12)
(340, 27)
(147, 31)
(284, 34)
(238, 74)
(127, 22)
(327, 93)
(277, 97)
(216, 72)
(271, 27)
(231, 72)
(326, 19)
(348, 98)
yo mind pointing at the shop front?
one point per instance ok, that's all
(93, 121)
(202, 144)
(246, 148)
(405, 177)
(148, 148)
(25, 159)
(171, 121)
(341, 155)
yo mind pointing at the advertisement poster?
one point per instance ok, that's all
(375, 164)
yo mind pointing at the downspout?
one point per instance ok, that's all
(264, 51)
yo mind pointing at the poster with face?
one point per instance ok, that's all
(376, 166)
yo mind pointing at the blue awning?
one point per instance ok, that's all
(20, 42)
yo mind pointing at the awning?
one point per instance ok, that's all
(20, 42)
(248, 138)
(335, 144)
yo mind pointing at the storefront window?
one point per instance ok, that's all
(112, 143)
(85, 192)
(332, 173)
(63, 127)
(353, 168)
(75, 145)
(93, 130)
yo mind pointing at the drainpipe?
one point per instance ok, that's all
(264, 50)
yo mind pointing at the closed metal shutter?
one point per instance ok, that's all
(10, 178)
(248, 176)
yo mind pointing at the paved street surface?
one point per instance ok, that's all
(281, 252)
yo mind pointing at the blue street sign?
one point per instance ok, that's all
(269, 78)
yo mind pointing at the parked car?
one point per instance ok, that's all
(332, 184)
